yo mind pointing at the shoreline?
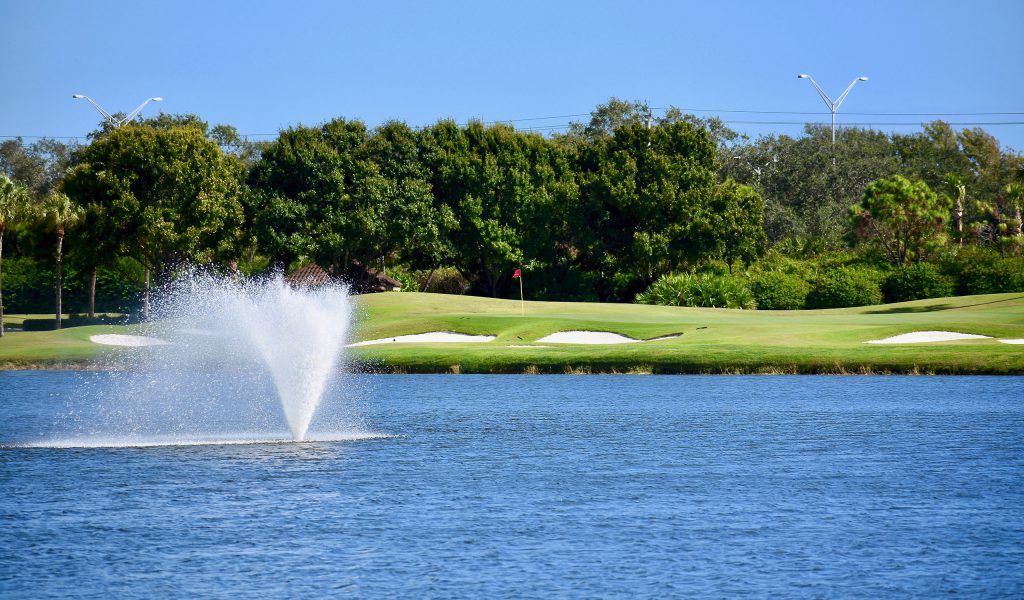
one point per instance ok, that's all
(375, 368)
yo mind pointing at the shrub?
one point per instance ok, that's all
(445, 280)
(845, 286)
(28, 286)
(775, 290)
(917, 282)
(981, 270)
(701, 289)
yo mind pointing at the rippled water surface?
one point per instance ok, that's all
(534, 486)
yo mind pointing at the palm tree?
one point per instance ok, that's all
(957, 184)
(60, 213)
(14, 204)
(1015, 194)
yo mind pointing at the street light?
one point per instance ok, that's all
(108, 117)
(832, 106)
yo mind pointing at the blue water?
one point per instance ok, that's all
(535, 486)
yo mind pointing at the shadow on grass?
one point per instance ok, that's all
(933, 307)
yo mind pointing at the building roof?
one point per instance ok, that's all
(311, 275)
(367, 279)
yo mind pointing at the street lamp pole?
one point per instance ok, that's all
(108, 117)
(832, 106)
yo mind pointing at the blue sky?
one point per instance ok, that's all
(261, 66)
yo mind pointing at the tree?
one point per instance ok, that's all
(38, 166)
(305, 204)
(1015, 200)
(166, 196)
(955, 184)
(14, 206)
(642, 195)
(735, 223)
(905, 218)
(806, 196)
(501, 185)
(605, 119)
(415, 228)
(59, 213)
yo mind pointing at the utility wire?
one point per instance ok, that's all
(701, 110)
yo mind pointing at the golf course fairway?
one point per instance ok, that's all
(692, 340)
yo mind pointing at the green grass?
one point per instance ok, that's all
(66, 348)
(712, 340)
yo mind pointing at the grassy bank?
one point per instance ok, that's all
(711, 340)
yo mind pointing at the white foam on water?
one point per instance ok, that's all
(241, 439)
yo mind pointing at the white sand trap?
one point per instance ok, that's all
(117, 339)
(434, 337)
(1013, 341)
(594, 337)
(920, 337)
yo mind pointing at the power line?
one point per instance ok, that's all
(695, 110)
(860, 114)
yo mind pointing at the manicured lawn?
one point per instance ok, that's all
(712, 340)
(67, 347)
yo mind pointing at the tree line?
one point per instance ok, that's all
(599, 212)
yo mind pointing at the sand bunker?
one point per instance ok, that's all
(920, 337)
(1013, 341)
(434, 337)
(593, 337)
(117, 339)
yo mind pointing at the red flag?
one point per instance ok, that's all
(517, 274)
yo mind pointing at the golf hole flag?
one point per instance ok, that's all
(522, 303)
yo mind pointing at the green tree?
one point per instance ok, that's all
(14, 206)
(806, 196)
(38, 166)
(734, 223)
(59, 213)
(644, 198)
(414, 227)
(904, 218)
(605, 119)
(166, 196)
(305, 203)
(503, 187)
(958, 187)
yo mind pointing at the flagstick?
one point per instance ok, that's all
(522, 301)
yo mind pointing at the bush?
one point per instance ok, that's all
(983, 271)
(701, 289)
(775, 290)
(845, 286)
(29, 286)
(73, 321)
(445, 280)
(917, 282)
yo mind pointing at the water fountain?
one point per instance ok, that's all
(245, 361)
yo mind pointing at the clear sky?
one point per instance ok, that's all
(261, 66)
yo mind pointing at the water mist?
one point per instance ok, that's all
(246, 361)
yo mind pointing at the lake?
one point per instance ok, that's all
(536, 486)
